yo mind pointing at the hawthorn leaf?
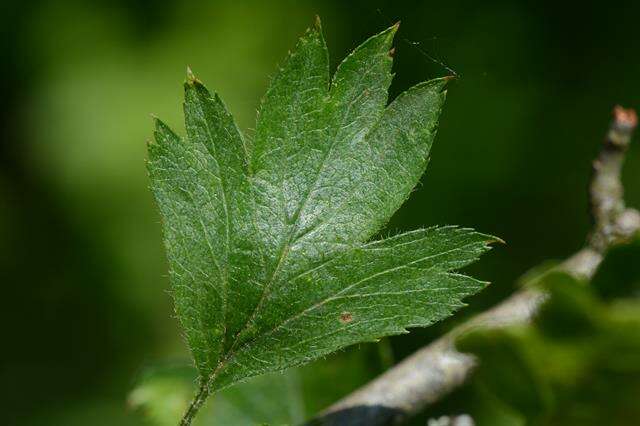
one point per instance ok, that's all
(269, 238)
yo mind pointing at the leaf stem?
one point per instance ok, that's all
(197, 402)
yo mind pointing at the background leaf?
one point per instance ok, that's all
(577, 364)
(163, 392)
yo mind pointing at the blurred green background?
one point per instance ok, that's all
(85, 305)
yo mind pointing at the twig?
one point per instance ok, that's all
(435, 370)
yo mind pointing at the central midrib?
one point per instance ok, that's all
(294, 228)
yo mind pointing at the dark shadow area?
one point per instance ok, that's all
(367, 415)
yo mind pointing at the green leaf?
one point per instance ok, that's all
(269, 239)
(619, 275)
(163, 392)
(577, 363)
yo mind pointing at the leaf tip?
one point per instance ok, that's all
(497, 240)
(390, 32)
(317, 23)
(191, 78)
(441, 83)
(492, 239)
(157, 123)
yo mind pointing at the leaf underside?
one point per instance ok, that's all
(269, 238)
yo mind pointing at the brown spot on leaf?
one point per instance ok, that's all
(346, 317)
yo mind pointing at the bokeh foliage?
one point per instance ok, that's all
(577, 364)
